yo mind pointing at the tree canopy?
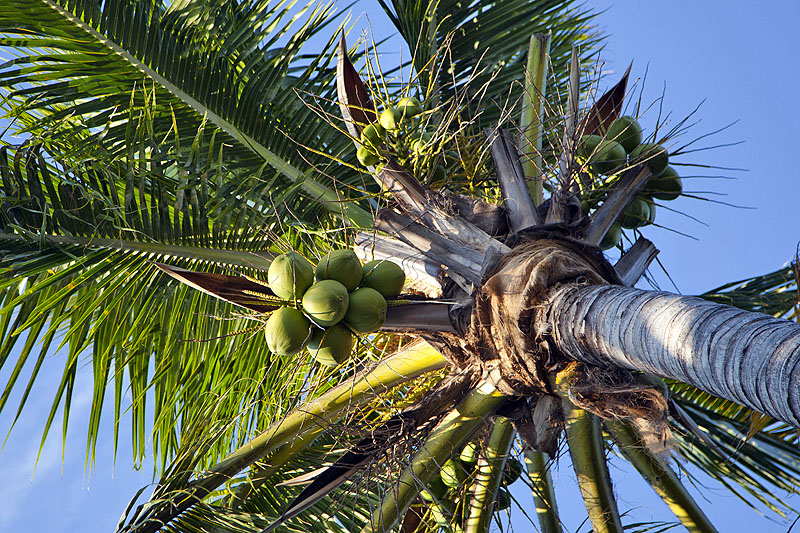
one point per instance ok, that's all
(206, 135)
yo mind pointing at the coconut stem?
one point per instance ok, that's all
(543, 494)
(521, 210)
(533, 113)
(660, 476)
(405, 365)
(490, 474)
(445, 438)
(625, 190)
(634, 262)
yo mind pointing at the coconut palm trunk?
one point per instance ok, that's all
(749, 358)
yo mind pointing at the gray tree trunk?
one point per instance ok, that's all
(750, 358)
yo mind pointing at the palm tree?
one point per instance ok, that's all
(178, 133)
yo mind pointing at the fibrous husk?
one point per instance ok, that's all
(366, 312)
(342, 266)
(290, 275)
(326, 302)
(331, 346)
(384, 276)
(287, 330)
(504, 342)
(500, 337)
(613, 393)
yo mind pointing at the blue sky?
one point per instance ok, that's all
(737, 56)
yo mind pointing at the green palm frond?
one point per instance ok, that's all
(122, 168)
(335, 514)
(483, 47)
(758, 467)
(315, 425)
(80, 76)
(78, 249)
(774, 293)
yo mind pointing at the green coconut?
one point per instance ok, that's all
(390, 118)
(586, 205)
(384, 276)
(635, 214)
(470, 453)
(512, 471)
(409, 107)
(452, 156)
(367, 310)
(421, 145)
(453, 473)
(331, 346)
(342, 266)
(326, 302)
(653, 155)
(435, 490)
(502, 501)
(651, 216)
(442, 511)
(612, 238)
(626, 131)
(588, 145)
(439, 173)
(366, 157)
(287, 331)
(608, 156)
(290, 275)
(372, 135)
(665, 186)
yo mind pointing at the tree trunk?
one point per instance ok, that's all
(750, 358)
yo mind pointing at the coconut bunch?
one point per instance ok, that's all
(328, 304)
(606, 156)
(444, 492)
(400, 131)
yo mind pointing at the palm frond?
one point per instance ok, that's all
(483, 47)
(80, 76)
(318, 403)
(756, 468)
(77, 263)
(774, 293)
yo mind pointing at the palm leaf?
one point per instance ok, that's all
(77, 270)
(83, 217)
(485, 46)
(774, 293)
(95, 62)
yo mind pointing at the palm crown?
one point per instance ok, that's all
(200, 134)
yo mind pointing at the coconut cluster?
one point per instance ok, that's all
(443, 491)
(621, 146)
(329, 303)
(399, 131)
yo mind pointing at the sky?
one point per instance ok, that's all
(736, 58)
